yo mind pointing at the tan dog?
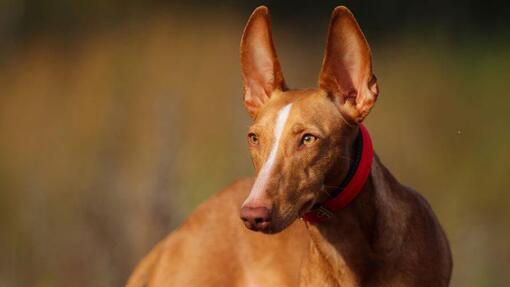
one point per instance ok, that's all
(313, 159)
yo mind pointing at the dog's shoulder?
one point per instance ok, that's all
(413, 233)
(201, 228)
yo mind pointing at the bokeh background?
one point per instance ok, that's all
(117, 118)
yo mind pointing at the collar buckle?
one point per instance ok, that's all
(322, 212)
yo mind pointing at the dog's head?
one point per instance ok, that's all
(300, 140)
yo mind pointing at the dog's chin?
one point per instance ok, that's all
(280, 223)
(271, 231)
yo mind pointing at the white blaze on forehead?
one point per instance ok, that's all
(265, 171)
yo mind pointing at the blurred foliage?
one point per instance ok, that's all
(118, 118)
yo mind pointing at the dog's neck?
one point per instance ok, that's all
(347, 241)
(343, 241)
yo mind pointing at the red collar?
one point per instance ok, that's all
(352, 187)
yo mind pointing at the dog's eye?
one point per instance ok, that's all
(308, 139)
(253, 138)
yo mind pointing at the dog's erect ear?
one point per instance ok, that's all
(259, 64)
(347, 67)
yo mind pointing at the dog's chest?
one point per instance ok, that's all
(325, 267)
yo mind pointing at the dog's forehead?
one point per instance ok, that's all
(304, 102)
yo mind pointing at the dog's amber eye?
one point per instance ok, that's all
(253, 138)
(308, 139)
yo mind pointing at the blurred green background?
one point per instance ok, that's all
(117, 118)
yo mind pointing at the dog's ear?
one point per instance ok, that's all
(261, 70)
(347, 67)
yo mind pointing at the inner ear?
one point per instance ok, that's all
(260, 67)
(346, 72)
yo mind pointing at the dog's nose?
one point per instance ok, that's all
(256, 218)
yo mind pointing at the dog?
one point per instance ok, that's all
(323, 210)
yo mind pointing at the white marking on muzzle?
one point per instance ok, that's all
(265, 172)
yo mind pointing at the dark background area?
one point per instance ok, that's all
(117, 118)
(459, 19)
